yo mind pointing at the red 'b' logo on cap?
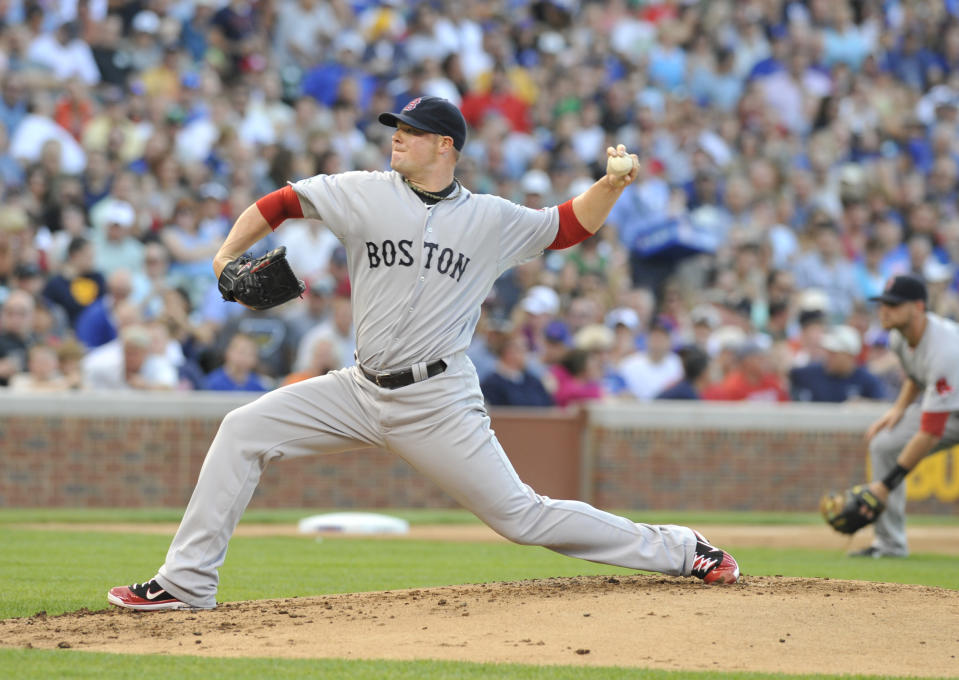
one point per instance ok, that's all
(413, 104)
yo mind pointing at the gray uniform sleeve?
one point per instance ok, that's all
(325, 197)
(942, 384)
(525, 233)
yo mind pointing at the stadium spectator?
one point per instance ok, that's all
(648, 373)
(695, 375)
(43, 372)
(322, 361)
(191, 246)
(826, 268)
(511, 383)
(752, 379)
(839, 377)
(16, 333)
(238, 372)
(77, 284)
(781, 122)
(577, 377)
(491, 332)
(128, 362)
(337, 327)
(100, 322)
(114, 244)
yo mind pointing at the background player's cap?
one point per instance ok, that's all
(904, 288)
(433, 114)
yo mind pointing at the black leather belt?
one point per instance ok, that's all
(392, 381)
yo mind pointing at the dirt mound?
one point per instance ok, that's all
(769, 624)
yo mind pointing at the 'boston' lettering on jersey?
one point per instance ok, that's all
(389, 253)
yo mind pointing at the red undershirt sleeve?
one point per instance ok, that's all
(934, 423)
(570, 230)
(282, 204)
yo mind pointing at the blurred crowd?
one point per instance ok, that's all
(795, 155)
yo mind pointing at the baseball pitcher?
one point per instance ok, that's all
(928, 348)
(423, 254)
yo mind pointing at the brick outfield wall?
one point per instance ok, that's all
(710, 469)
(638, 458)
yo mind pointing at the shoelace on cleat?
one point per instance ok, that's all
(141, 589)
(707, 557)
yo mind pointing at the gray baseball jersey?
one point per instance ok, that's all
(419, 273)
(933, 364)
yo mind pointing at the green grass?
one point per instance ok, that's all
(59, 571)
(157, 515)
(50, 664)
(423, 516)
(85, 565)
(53, 664)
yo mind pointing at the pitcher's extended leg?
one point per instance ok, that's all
(457, 449)
(322, 415)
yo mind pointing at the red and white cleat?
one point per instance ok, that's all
(145, 597)
(712, 564)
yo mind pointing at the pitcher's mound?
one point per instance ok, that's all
(770, 624)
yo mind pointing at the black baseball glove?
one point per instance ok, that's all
(262, 283)
(851, 510)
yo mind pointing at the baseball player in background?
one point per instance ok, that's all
(928, 348)
(423, 254)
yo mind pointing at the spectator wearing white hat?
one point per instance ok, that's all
(943, 297)
(114, 244)
(600, 340)
(145, 52)
(839, 377)
(538, 307)
(625, 323)
(537, 189)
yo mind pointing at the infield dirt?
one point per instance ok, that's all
(767, 624)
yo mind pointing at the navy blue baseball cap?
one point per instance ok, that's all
(433, 114)
(900, 289)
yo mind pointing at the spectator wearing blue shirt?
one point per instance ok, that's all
(839, 377)
(780, 46)
(911, 62)
(869, 276)
(511, 383)
(237, 374)
(827, 269)
(667, 60)
(77, 285)
(695, 364)
(322, 82)
(100, 321)
(13, 101)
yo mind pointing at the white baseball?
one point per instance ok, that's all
(619, 165)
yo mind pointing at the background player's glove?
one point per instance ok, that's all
(262, 283)
(851, 510)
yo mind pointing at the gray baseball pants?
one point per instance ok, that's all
(441, 428)
(884, 449)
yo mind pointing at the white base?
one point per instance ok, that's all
(353, 523)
